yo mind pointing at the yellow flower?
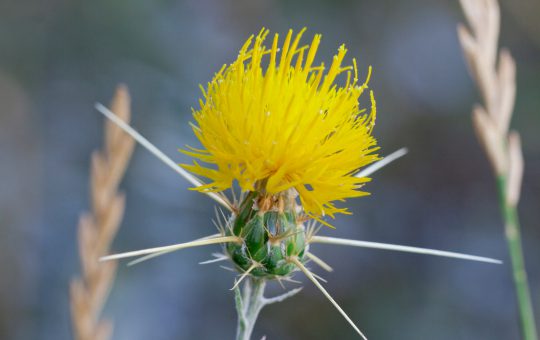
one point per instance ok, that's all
(274, 118)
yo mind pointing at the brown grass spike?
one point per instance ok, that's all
(494, 71)
(98, 227)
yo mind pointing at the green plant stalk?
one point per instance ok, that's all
(513, 238)
(249, 303)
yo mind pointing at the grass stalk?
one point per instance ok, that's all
(515, 249)
(494, 71)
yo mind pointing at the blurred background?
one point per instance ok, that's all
(57, 58)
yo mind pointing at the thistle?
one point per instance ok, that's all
(296, 143)
(283, 132)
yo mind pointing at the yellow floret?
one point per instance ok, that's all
(286, 124)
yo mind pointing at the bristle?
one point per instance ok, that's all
(382, 163)
(396, 247)
(220, 198)
(319, 262)
(312, 278)
(197, 243)
(245, 274)
(151, 256)
(218, 258)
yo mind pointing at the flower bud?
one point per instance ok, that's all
(271, 233)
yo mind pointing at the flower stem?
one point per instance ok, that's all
(249, 303)
(513, 238)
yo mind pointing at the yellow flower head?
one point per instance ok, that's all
(274, 118)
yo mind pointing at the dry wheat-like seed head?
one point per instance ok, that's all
(497, 84)
(98, 227)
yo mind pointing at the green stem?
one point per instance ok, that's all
(249, 303)
(513, 238)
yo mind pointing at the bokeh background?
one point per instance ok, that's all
(58, 57)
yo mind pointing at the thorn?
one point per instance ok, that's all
(218, 258)
(279, 279)
(151, 256)
(319, 278)
(328, 296)
(147, 257)
(245, 274)
(396, 247)
(319, 262)
(382, 163)
(283, 297)
(220, 198)
(196, 243)
(288, 279)
(227, 268)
